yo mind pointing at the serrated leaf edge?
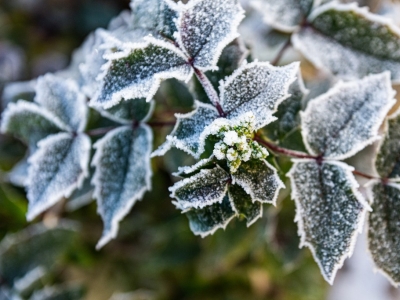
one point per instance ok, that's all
(248, 223)
(190, 169)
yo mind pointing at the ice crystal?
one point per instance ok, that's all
(355, 109)
(329, 211)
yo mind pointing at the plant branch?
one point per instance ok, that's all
(209, 89)
(278, 57)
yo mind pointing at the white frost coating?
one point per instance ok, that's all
(19, 173)
(203, 189)
(205, 27)
(259, 180)
(257, 87)
(188, 130)
(190, 169)
(305, 212)
(283, 15)
(347, 118)
(57, 168)
(123, 174)
(137, 71)
(62, 97)
(15, 89)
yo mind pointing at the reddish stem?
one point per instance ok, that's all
(281, 52)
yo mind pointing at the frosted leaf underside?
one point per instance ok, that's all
(29, 122)
(56, 169)
(130, 110)
(384, 230)
(122, 175)
(358, 43)
(343, 121)
(258, 88)
(244, 205)
(207, 220)
(154, 15)
(328, 211)
(61, 97)
(206, 27)
(388, 159)
(283, 15)
(203, 189)
(259, 179)
(191, 170)
(188, 129)
(137, 72)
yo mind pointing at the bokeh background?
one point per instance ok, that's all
(155, 255)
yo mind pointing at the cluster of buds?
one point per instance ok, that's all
(236, 142)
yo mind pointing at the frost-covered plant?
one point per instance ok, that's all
(244, 113)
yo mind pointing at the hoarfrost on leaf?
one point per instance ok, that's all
(358, 42)
(56, 169)
(205, 27)
(207, 220)
(343, 121)
(260, 180)
(191, 170)
(129, 110)
(384, 230)
(329, 211)
(283, 15)
(207, 187)
(137, 71)
(122, 176)
(243, 204)
(188, 129)
(258, 88)
(387, 162)
(62, 98)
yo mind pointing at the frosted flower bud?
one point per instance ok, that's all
(231, 138)
(219, 150)
(231, 154)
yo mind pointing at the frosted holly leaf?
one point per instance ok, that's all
(138, 71)
(358, 42)
(260, 180)
(191, 170)
(156, 16)
(284, 15)
(287, 115)
(188, 129)
(130, 110)
(243, 205)
(62, 98)
(356, 110)
(207, 220)
(57, 168)
(207, 187)
(387, 162)
(329, 211)
(384, 230)
(33, 250)
(15, 91)
(122, 176)
(19, 173)
(205, 27)
(259, 88)
(29, 122)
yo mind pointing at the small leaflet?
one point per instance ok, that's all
(260, 180)
(15, 91)
(243, 204)
(207, 220)
(19, 119)
(56, 169)
(19, 173)
(346, 119)
(288, 118)
(33, 250)
(387, 162)
(188, 129)
(122, 176)
(283, 15)
(130, 110)
(358, 42)
(137, 71)
(157, 16)
(329, 211)
(62, 98)
(191, 170)
(207, 187)
(205, 28)
(259, 88)
(384, 230)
